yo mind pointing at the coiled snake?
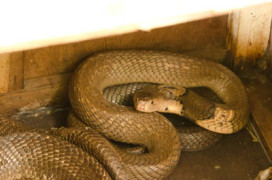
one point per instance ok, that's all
(124, 124)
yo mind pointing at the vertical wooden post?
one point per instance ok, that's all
(16, 74)
(249, 32)
(4, 72)
(270, 50)
(11, 72)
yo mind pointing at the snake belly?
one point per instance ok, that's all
(152, 130)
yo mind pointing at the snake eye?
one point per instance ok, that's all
(152, 102)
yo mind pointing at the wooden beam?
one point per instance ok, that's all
(11, 72)
(16, 73)
(31, 99)
(37, 92)
(48, 81)
(45, 23)
(249, 32)
(4, 72)
(270, 52)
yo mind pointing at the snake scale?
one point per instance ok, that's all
(192, 137)
(26, 153)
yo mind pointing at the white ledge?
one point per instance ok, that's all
(27, 24)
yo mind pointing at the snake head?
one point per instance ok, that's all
(144, 101)
(159, 98)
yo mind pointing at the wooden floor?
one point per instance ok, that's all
(235, 156)
(260, 96)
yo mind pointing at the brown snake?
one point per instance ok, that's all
(192, 137)
(124, 124)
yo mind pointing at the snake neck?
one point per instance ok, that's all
(151, 130)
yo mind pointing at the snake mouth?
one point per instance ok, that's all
(143, 105)
(143, 101)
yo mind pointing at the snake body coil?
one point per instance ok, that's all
(124, 124)
(152, 130)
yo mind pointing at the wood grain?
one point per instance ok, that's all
(31, 99)
(4, 72)
(203, 34)
(48, 82)
(11, 72)
(16, 74)
(58, 59)
(260, 96)
(39, 92)
(249, 32)
(270, 53)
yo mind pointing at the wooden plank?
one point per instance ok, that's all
(33, 26)
(202, 34)
(58, 59)
(260, 96)
(38, 92)
(16, 73)
(4, 72)
(31, 99)
(11, 72)
(190, 36)
(47, 81)
(270, 53)
(249, 31)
